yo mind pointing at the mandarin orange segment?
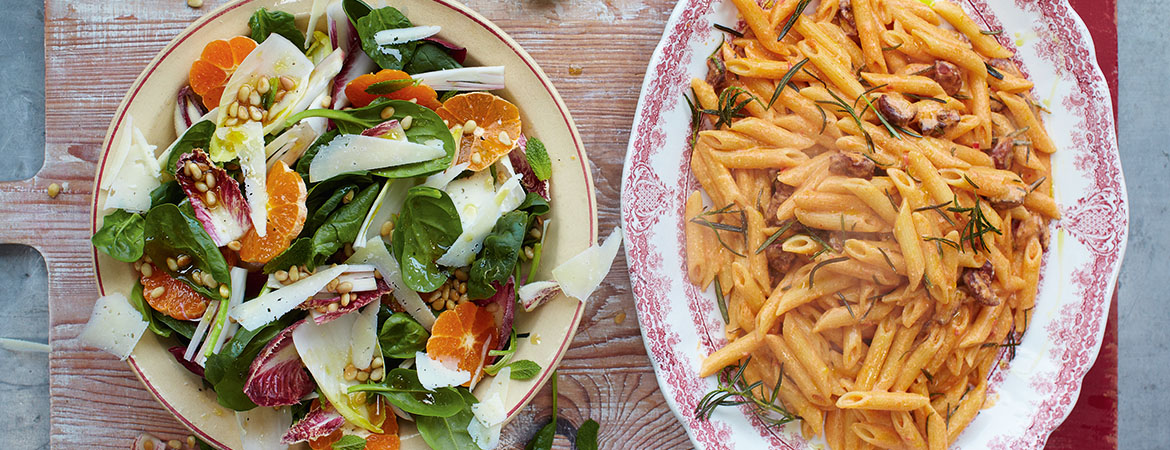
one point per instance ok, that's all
(218, 53)
(241, 47)
(379, 411)
(215, 66)
(461, 334)
(286, 216)
(174, 297)
(355, 91)
(497, 127)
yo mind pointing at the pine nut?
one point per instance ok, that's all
(387, 228)
(469, 127)
(245, 94)
(210, 199)
(209, 180)
(158, 292)
(172, 264)
(345, 288)
(463, 288)
(377, 362)
(528, 253)
(281, 276)
(535, 233)
(332, 307)
(262, 86)
(476, 159)
(174, 443)
(460, 274)
(193, 170)
(231, 122)
(209, 281)
(377, 374)
(224, 291)
(326, 101)
(147, 270)
(362, 376)
(254, 99)
(287, 83)
(242, 113)
(407, 122)
(377, 274)
(183, 260)
(200, 186)
(256, 114)
(350, 372)
(347, 198)
(236, 246)
(193, 4)
(387, 113)
(344, 300)
(450, 304)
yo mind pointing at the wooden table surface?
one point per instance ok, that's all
(95, 49)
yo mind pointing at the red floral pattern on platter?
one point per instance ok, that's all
(1098, 220)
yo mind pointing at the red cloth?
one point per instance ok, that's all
(1092, 424)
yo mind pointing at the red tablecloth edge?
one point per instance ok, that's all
(1093, 422)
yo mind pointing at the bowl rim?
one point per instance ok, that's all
(469, 14)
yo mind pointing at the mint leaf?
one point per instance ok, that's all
(524, 369)
(587, 435)
(538, 159)
(350, 442)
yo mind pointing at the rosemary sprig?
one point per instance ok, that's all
(888, 260)
(970, 182)
(825, 247)
(730, 105)
(722, 302)
(927, 374)
(696, 115)
(993, 72)
(775, 236)
(824, 118)
(734, 391)
(892, 47)
(845, 303)
(976, 227)
(991, 32)
(729, 30)
(890, 128)
(792, 19)
(821, 264)
(1035, 184)
(938, 209)
(923, 97)
(941, 240)
(784, 82)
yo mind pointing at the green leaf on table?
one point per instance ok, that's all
(587, 435)
(121, 236)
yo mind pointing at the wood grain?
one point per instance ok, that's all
(94, 52)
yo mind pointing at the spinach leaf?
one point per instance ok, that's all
(169, 192)
(349, 442)
(401, 336)
(449, 433)
(121, 236)
(311, 152)
(343, 225)
(369, 22)
(198, 136)
(300, 253)
(538, 159)
(587, 435)
(498, 258)
(524, 369)
(544, 438)
(402, 389)
(426, 228)
(139, 303)
(183, 327)
(264, 22)
(426, 126)
(228, 370)
(170, 233)
(534, 204)
(430, 57)
(322, 211)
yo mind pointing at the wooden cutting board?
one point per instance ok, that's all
(594, 51)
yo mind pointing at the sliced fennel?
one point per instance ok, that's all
(261, 310)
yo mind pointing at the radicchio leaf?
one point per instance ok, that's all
(505, 297)
(519, 159)
(383, 128)
(188, 109)
(459, 54)
(537, 293)
(177, 352)
(229, 219)
(343, 35)
(318, 423)
(358, 300)
(277, 377)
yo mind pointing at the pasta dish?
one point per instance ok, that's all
(874, 205)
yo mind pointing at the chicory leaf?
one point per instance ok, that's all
(227, 370)
(264, 22)
(426, 228)
(401, 337)
(121, 236)
(501, 249)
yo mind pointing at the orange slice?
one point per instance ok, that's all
(497, 124)
(215, 66)
(286, 216)
(175, 299)
(379, 410)
(461, 334)
(355, 91)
